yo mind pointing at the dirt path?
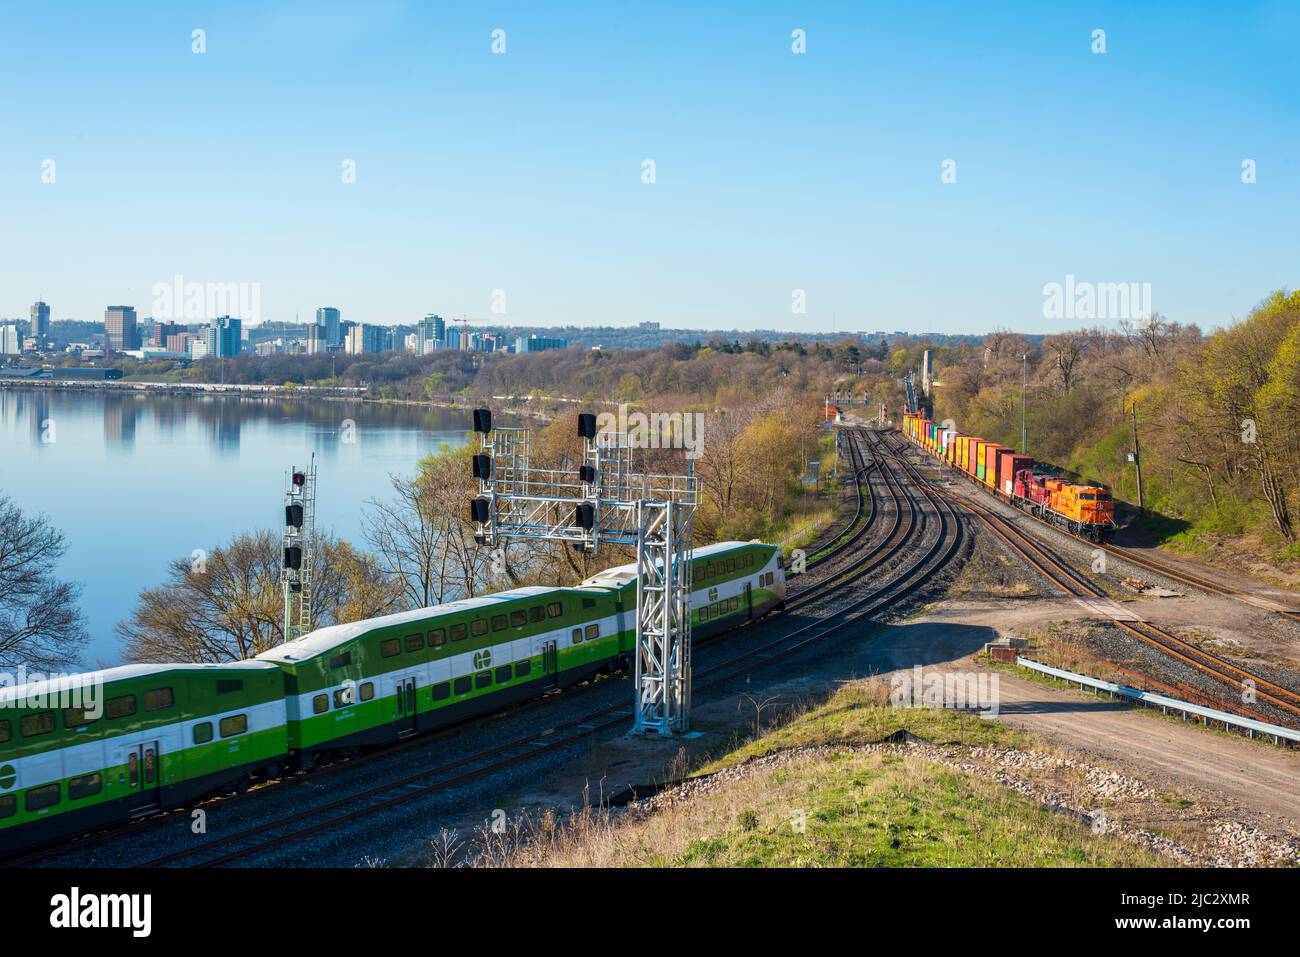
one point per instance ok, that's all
(1258, 780)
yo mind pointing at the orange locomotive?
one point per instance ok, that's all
(1086, 510)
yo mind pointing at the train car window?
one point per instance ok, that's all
(320, 704)
(414, 642)
(341, 661)
(731, 564)
(8, 805)
(713, 610)
(34, 725)
(437, 638)
(698, 570)
(158, 698)
(504, 674)
(203, 732)
(389, 647)
(708, 570)
(518, 619)
(463, 685)
(536, 613)
(47, 795)
(6, 731)
(76, 718)
(522, 669)
(554, 610)
(233, 725)
(367, 690)
(735, 603)
(458, 632)
(576, 636)
(120, 707)
(482, 680)
(229, 685)
(499, 622)
(84, 787)
(479, 626)
(593, 631)
(704, 613)
(342, 697)
(441, 691)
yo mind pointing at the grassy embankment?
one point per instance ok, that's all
(815, 793)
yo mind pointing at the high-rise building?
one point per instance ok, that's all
(225, 337)
(119, 328)
(40, 327)
(162, 331)
(430, 332)
(316, 341)
(539, 344)
(364, 338)
(332, 320)
(11, 342)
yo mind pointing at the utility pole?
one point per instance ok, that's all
(1137, 460)
(1024, 386)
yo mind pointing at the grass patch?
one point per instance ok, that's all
(840, 801)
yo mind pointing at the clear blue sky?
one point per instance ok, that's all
(775, 171)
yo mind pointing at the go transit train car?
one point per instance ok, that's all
(106, 746)
(1082, 509)
(166, 734)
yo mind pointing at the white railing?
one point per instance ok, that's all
(1167, 704)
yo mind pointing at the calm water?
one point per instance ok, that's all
(134, 481)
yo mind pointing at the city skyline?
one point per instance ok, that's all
(518, 179)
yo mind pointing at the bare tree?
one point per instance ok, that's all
(229, 606)
(40, 623)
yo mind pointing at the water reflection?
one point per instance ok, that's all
(134, 480)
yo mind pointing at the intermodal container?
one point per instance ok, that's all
(991, 464)
(1009, 463)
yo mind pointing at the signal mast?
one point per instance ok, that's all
(299, 549)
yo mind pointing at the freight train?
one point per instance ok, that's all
(104, 747)
(1086, 510)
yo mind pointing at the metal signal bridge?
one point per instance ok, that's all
(607, 502)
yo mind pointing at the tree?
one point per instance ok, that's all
(41, 626)
(229, 606)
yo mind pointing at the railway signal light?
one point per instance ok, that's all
(587, 473)
(483, 466)
(293, 557)
(479, 511)
(587, 425)
(299, 479)
(584, 515)
(293, 515)
(483, 420)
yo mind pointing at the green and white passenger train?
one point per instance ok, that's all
(168, 734)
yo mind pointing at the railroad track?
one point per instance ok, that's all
(1171, 572)
(834, 546)
(274, 834)
(1073, 583)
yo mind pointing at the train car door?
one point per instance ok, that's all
(551, 663)
(143, 777)
(406, 718)
(749, 600)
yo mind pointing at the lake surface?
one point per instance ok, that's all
(135, 480)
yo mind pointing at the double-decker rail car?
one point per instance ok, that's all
(383, 679)
(93, 749)
(161, 735)
(1085, 509)
(731, 583)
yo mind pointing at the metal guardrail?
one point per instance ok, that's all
(1226, 718)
